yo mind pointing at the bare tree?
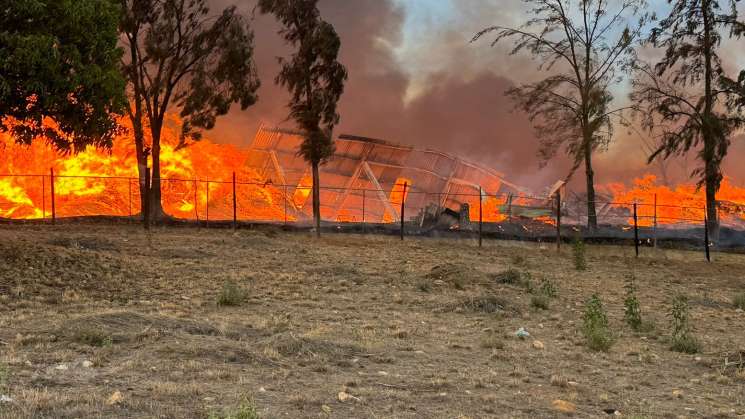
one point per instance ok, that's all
(314, 78)
(587, 45)
(181, 57)
(685, 95)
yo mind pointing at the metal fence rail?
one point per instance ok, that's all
(396, 205)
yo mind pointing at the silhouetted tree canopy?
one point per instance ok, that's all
(59, 60)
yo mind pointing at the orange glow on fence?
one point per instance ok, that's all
(116, 192)
(682, 203)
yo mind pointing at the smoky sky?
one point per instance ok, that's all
(443, 92)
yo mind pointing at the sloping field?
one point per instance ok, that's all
(185, 323)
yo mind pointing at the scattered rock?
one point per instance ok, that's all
(262, 390)
(62, 367)
(522, 333)
(611, 411)
(537, 344)
(678, 393)
(86, 364)
(115, 398)
(564, 406)
(5, 399)
(343, 396)
(326, 408)
(209, 399)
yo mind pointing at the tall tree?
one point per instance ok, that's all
(182, 57)
(685, 94)
(58, 60)
(586, 45)
(315, 79)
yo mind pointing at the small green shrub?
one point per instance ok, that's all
(93, 337)
(231, 295)
(548, 289)
(739, 301)
(540, 302)
(4, 376)
(510, 276)
(682, 339)
(595, 326)
(247, 410)
(578, 254)
(632, 309)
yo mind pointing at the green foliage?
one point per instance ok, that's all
(232, 294)
(548, 289)
(687, 95)
(247, 410)
(739, 301)
(313, 76)
(632, 309)
(59, 59)
(595, 326)
(510, 276)
(578, 254)
(4, 376)
(682, 339)
(93, 337)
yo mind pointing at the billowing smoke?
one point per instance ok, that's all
(447, 96)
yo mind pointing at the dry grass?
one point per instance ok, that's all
(420, 329)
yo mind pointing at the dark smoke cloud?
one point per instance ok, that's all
(448, 96)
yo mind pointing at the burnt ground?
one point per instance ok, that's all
(108, 322)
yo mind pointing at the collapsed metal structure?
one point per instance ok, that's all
(365, 177)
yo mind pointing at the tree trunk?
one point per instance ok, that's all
(141, 160)
(156, 206)
(316, 199)
(592, 218)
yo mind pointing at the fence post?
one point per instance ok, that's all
(636, 231)
(364, 224)
(54, 210)
(196, 200)
(655, 221)
(235, 206)
(481, 216)
(43, 199)
(403, 206)
(706, 237)
(146, 210)
(129, 186)
(207, 207)
(558, 220)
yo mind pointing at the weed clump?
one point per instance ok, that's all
(247, 410)
(578, 254)
(540, 302)
(93, 337)
(739, 301)
(231, 295)
(510, 276)
(595, 326)
(424, 286)
(632, 310)
(682, 339)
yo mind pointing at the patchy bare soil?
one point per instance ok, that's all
(107, 322)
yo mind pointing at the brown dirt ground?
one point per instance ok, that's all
(419, 329)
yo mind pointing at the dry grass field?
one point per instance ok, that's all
(109, 322)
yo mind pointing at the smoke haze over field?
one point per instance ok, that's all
(416, 79)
